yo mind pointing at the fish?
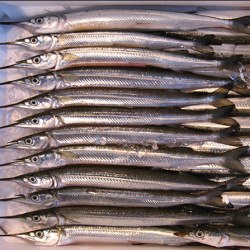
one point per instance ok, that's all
(148, 20)
(217, 236)
(66, 235)
(147, 136)
(106, 56)
(109, 116)
(106, 177)
(115, 216)
(178, 159)
(52, 42)
(81, 196)
(105, 97)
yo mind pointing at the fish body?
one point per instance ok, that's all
(113, 216)
(117, 78)
(128, 20)
(81, 196)
(147, 136)
(66, 235)
(52, 42)
(101, 56)
(177, 159)
(105, 177)
(109, 116)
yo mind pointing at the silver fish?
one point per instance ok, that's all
(75, 196)
(66, 235)
(147, 136)
(177, 159)
(115, 216)
(106, 177)
(129, 20)
(109, 116)
(218, 236)
(52, 42)
(134, 78)
(101, 56)
(106, 97)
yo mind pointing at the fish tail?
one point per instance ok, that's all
(235, 182)
(225, 136)
(202, 45)
(231, 62)
(242, 24)
(221, 111)
(213, 195)
(232, 161)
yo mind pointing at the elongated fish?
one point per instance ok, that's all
(109, 116)
(51, 42)
(129, 20)
(147, 136)
(101, 56)
(218, 236)
(115, 216)
(66, 235)
(75, 196)
(174, 159)
(104, 176)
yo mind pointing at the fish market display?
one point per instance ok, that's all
(126, 126)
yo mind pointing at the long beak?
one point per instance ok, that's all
(13, 189)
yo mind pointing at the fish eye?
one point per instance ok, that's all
(35, 121)
(35, 159)
(33, 102)
(28, 141)
(36, 60)
(35, 80)
(32, 179)
(39, 234)
(200, 234)
(36, 218)
(35, 198)
(39, 20)
(33, 40)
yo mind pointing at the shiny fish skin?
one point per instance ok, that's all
(109, 116)
(177, 159)
(148, 136)
(114, 216)
(117, 78)
(86, 234)
(115, 97)
(101, 56)
(53, 42)
(76, 196)
(128, 20)
(105, 177)
(218, 236)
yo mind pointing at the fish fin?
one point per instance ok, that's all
(202, 44)
(242, 24)
(231, 140)
(231, 62)
(224, 133)
(221, 111)
(235, 182)
(232, 159)
(228, 121)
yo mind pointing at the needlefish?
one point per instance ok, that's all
(118, 216)
(129, 20)
(108, 177)
(178, 159)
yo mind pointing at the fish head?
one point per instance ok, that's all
(43, 42)
(42, 181)
(45, 160)
(47, 61)
(39, 103)
(42, 121)
(40, 199)
(35, 142)
(204, 235)
(47, 237)
(45, 82)
(41, 25)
